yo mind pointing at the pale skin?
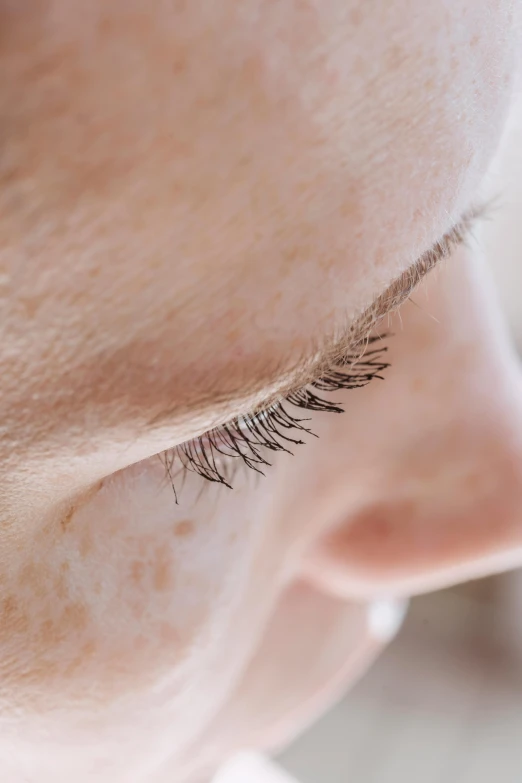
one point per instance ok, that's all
(192, 197)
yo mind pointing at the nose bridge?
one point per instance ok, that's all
(457, 460)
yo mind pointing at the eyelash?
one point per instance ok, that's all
(245, 440)
(215, 454)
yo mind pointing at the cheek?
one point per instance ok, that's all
(131, 599)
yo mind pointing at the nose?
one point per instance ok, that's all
(427, 468)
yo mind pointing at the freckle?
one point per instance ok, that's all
(60, 586)
(395, 56)
(233, 335)
(75, 664)
(29, 575)
(418, 385)
(42, 671)
(290, 256)
(162, 572)
(359, 66)
(179, 66)
(472, 482)
(356, 16)
(137, 571)
(86, 544)
(9, 613)
(184, 528)
(168, 635)
(51, 634)
(88, 650)
(141, 643)
(30, 305)
(74, 617)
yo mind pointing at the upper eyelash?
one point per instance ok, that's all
(243, 440)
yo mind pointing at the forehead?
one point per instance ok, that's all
(221, 182)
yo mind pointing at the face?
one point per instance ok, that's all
(202, 211)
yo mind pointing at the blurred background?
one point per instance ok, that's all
(444, 703)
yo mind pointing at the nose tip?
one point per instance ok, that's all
(423, 475)
(417, 535)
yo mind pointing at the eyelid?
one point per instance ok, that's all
(355, 339)
(242, 439)
(261, 393)
(273, 429)
(402, 287)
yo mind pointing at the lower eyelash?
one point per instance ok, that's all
(243, 441)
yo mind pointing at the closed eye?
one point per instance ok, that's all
(346, 362)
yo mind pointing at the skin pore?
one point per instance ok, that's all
(193, 198)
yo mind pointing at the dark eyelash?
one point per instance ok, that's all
(246, 439)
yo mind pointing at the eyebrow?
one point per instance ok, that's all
(334, 348)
